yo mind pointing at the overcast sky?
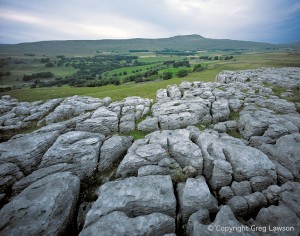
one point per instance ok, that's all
(274, 21)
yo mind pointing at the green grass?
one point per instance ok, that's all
(234, 133)
(148, 90)
(234, 115)
(18, 70)
(6, 135)
(136, 134)
(130, 69)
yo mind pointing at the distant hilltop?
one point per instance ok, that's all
(182, 43)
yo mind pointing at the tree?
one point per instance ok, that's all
(49, 64)
(182, 73)
(167, 75)
(197, 68)
(216, 58)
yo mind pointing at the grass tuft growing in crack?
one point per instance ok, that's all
(7, 134)
(234, 133)
(234, 115)
(137, 134)
(89, 185)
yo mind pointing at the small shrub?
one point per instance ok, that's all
(182, 73)
(178, 177)
(234, 133)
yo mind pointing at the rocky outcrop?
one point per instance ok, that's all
(75, 106)
(214, 155)
(78, 149)
(26, 151)
(112, 151)
(224, 218)
(134, 197)
(172, 150)
(194, 195)
(118, 223)
(44, 207)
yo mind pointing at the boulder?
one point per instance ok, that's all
(74, 106)
(134, 196)
(221, 174)
(264, 122)
(186, 153)
(199, 217)
(225, 219)
(39, 174)
(152, 152)
(143, 152)
(239, 206)
(278, 216)
(193, 195)
(153, 170)
(173, 92)
(76, 147)
(127, 123)
(220, 110)
(242, 188)
(45, 207)
(190, 171)
(248, 162)
(102, 121)
(148, 125)
(256, 201)
(259, 183)
(225, 194)
(26, 151)
(177, 114)
(9, 174)
(118, 224)
(286, 152)
(112, 151)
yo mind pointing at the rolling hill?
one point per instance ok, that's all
(86, 47)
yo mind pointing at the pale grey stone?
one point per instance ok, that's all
(134, 196)
(153, 170)
(225, 194)
(193, 195)
(45, 207)
(9, 174)
(286, 152)
(76, 147)
(238, 205)
(259, 183)
(224, 218)
(39, 174)
(118, 224)
(242, 188)
(113, 150)
(220, 110)
(26, 151)
(150, 124)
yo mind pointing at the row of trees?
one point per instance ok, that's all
(37, 75)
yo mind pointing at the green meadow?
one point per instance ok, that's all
(148, 89)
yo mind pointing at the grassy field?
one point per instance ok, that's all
(30, 67)
(148, 90)
(130, 70)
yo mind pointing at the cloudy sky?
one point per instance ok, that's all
(274, 21)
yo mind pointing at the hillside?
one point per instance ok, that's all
(182, 43)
